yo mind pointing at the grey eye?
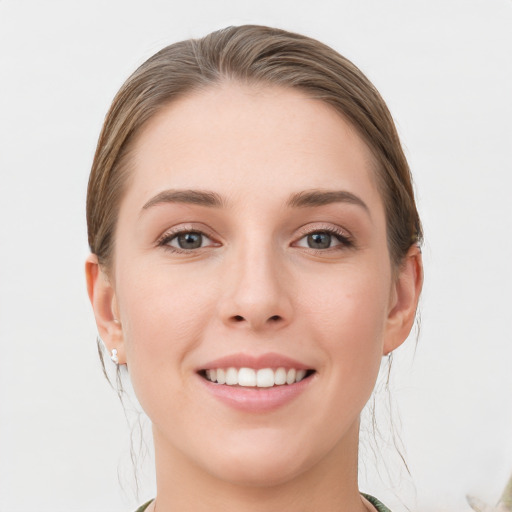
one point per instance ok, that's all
(319, 240)
(189, 240)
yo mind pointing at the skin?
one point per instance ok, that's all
(255, 286)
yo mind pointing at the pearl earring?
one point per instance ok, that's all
(114, 357)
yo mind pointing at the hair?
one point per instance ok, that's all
(250, 55)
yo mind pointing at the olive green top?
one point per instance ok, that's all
(374, 501)
(144, 507)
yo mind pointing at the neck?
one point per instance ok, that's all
(330, 484)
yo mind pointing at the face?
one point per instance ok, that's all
(252, 235)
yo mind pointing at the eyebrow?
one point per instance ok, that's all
(312, 198)
(199, 197)
(303, 199)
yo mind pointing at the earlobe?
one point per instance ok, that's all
(104, 304)
(404, 300)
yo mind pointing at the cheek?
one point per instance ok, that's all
(161, 306)
(349, 321)
(349, 300)
(163, 317)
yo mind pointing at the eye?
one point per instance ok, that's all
(186, 240)
(323, 239)
(319, 240)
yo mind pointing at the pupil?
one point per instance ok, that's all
(190, 240)
(319, 240)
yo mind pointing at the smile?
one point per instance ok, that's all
(256, 383)
(256, 378)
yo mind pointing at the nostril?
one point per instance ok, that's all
(239, 318)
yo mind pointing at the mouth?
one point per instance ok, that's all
(246, 377)
(256, 384)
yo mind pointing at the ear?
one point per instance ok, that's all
(404, 298)
(104, 304)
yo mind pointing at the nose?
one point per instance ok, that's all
(257, 290)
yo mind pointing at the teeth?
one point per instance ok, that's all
(290, 376)
(231, 377)
(265, 378)
(221, 376)
(248, 377)
(280, 377)
(300, 375)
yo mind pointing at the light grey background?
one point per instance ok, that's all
(445, 69)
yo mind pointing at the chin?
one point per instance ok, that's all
(269, 472)
(264, 461)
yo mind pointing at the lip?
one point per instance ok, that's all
(268, 360)
(255, 400)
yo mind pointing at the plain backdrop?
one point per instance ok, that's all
(445, 70)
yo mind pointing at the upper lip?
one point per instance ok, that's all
(269, 360)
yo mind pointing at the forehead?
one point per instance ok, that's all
(239, 139)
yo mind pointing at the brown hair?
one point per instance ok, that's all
(251, 55)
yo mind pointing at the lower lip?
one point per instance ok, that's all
(256, 400)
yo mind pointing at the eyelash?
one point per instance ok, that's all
(346, 242)
(168, 237)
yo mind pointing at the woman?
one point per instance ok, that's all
(254, 253)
